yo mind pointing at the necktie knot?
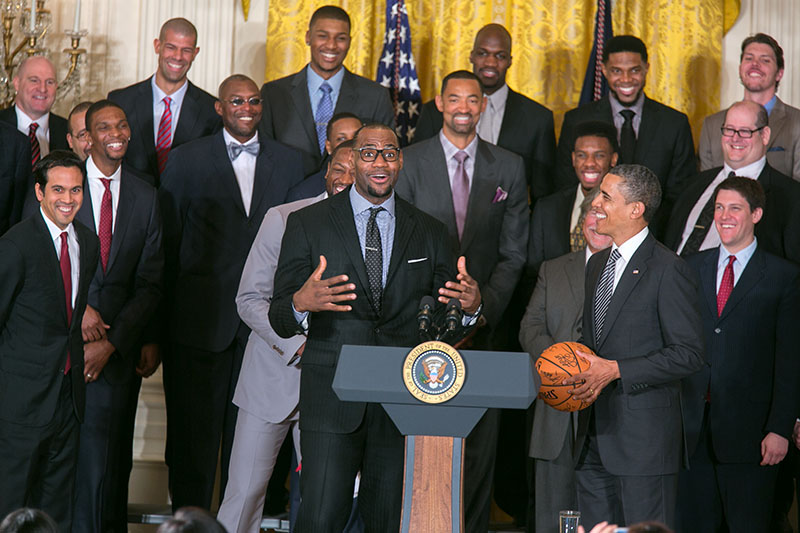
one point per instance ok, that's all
(236, 149)
(167, 101)
(461, 156)
(732, 174)
(106, 183)
(731, 259)
(326, 88)
(33, 127)
(64, 236)
(373, 213)
(615, 255)
(627, 114)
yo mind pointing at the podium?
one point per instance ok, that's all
(434, 433)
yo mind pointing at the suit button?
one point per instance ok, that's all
(377, 331)
(579, 329)
(717, 330)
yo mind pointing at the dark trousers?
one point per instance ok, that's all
(37, 464)
(713, 495)
(199, 387)
(480, 450)
(101, 481)
(330, 464)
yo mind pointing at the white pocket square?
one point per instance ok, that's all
(419, 260)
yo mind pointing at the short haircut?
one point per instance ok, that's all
(191, 520)
(763, 38)
(751, 190)
(376, 126)
(230, 79)
(330, 12)
(624, 43)
(586, 204)
(762, 117)
(337, 117)
(179, 25)
(56, 158)
(639, 184)
(596, 128)
(460, 75)
(343, 146)
(27, 520)
(80, 108)
(98, 106)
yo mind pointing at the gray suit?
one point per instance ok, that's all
(268, 389)
(554, 314)
(783, 152)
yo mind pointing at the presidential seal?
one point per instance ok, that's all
(433, 372)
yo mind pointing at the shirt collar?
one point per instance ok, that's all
(771, 104)
(230, 140)
(630, 246)
(498, 98)
(315, 80)
(24, 121)
(742, 256)
(752, 171)
(616, 107)
(93, 172)
(451, 149)
(361, 204)
(55, 231)
(176, 97)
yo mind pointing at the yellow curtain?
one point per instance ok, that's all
(552, 42)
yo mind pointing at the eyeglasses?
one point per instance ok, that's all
(368, 155)
(238, 102)
(744, 133)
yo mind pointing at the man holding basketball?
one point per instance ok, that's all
(641, 316)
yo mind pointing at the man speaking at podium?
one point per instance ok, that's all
(352, 270)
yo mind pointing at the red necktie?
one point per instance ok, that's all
(66, 277)
(36, 151)
(726, 286)
(164, 140)
(104, 228)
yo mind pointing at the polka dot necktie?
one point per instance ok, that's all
(373, 258)
(324, 114)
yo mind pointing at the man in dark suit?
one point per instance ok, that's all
(121, 206)
(760, 71)
(511, 120)
(650, 133)
(15, 172)
(77, 135)
(342, 127)
(383, 256)
(478, 191)
(554, 314)
(166, 110)
(740, 412)
(297, 108)
(35, 84)
(641, 317)
(46, 264)
(214, 194)
(744, 145)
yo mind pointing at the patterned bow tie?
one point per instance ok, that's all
(235, 149)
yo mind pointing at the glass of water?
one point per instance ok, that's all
(568, 521)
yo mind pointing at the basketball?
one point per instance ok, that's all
(556, 364)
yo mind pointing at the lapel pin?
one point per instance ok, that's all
(636, 271)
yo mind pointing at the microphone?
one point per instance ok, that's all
(424, 317)
(453, 315)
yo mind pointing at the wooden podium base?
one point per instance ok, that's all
(432, 485)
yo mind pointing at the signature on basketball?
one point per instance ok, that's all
(568, 360)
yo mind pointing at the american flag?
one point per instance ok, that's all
(594, 84)
(397, 71)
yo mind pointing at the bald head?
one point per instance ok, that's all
(35, 84)
(745, 134)
(491, 56)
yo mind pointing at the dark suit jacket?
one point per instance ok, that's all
(752, 352)
(527, 130)
(664, 145)
(654, 331)
(287, 111)
(58, 127)
(312, 186)
(549, 234)
(34, 335)
(127, 294)
(207, 233)
(197, 119)
(779, 229)
(15, 172)
(495, 232)
(328, 228)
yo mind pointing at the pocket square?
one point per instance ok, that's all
(499, 195)
(418, 260)
(777, 149)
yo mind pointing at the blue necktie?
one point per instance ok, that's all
(324, 114)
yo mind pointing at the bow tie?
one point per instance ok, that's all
(235, 149)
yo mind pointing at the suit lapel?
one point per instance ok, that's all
(575, 276)
(342, 218)
(143, 116)
(190, 111)
(751, 275)
(403, 229)
(777, 122)
(125, 208)
(708, 280)
(593, 270)
(303, 105)
(510, 118)
(49, 257)
(86, 212)
(647, 131)
(439, 186)
(262, 178)
(225, 174)
(480, 194)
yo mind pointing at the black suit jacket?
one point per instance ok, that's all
(422, 261)
(495, 232)
(664, 145)
(549, 234)
(207, 233)
(127, 294)
(310, 187)
(197, 119)
(34, 335)
(778, 232)
(58, 127)
(654, 331)
(287, 111)
(751, 349)
(527, 130)
(15, 172)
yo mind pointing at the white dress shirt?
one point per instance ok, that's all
(742, 258)
(97, 189)
(492, 118)
(174, 107)
(626, 251)
(74, 251)
(42, 134)
(244, 167)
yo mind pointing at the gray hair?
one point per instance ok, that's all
(639, 184)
